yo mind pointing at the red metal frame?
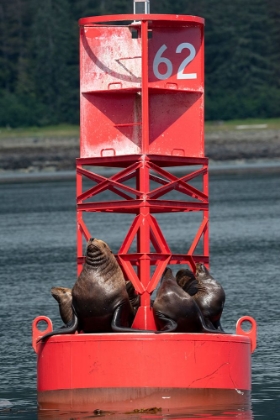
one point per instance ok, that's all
(145, 154)
(144, 203)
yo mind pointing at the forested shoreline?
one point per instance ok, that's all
(39, 60)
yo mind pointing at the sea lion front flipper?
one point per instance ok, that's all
(169, 324)
(68, 329)
(117, 327)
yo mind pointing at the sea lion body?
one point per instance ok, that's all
(100, 290)
(210, 296)
(63, 295)
(173, 303)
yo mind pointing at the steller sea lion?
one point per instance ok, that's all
(210, 296)
(100, 300)
(175, 310)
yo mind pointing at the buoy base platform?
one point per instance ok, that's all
(128, 371)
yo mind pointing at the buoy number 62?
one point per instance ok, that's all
(169, 67)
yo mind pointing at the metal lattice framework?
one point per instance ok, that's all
(153, 252)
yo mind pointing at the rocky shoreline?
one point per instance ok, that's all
(31, 154)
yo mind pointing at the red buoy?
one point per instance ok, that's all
(142, 114)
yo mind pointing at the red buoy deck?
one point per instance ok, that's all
(126, 372)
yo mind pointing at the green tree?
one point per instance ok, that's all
(39, 56)
(54, 60)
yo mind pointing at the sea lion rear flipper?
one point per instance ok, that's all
(169, 324)
(68, 329)
(210, 328)
(219, 327)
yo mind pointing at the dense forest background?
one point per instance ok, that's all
(39, 62)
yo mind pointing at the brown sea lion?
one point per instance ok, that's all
(63, 295)
(186, 279)
(175, 310)
(210, 296)
(100, 300)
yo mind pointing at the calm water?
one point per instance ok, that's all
(38, 240)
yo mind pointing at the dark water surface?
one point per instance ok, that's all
(38, 251)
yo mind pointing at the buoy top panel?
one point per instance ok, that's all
(142, 85)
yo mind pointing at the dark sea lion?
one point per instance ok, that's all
(175, 310)
(100, 300)
(63, 295)
(186, 279)
(210, 296)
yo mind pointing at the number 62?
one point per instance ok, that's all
(169, 67)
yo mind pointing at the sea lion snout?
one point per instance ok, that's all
(57, 292)
(90, 241)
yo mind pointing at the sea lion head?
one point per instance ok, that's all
(98, 252)
(186, 279)
(201, 271)
(184, 276)
(63, 295)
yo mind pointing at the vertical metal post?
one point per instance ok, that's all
(79, 189)
(206, 250)
(144, 319)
